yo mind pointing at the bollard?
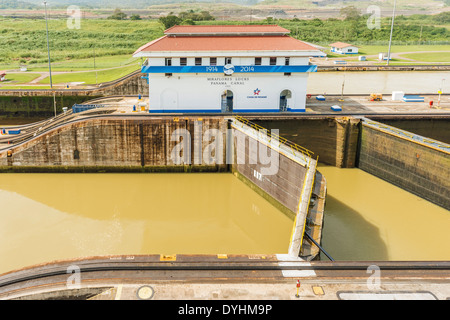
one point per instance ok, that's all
(298, 288)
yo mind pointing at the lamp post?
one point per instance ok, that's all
(95, 68)
(392, 29)
(49, 60)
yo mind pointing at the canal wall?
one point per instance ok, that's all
(431, 127)
(39, 103)
(118, 144)
(333, 139)
(29, 107)
(285, 178)
(416, 164)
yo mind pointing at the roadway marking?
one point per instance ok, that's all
(119, 292)
(290, 261)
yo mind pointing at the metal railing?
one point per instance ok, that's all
(281, 141)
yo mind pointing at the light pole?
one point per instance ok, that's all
(49, 60)
(95, 68)
(392, 30)
(48, 46)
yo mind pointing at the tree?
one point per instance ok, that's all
(135, 17)
(170, 21)
(350, 13)
(118, 15)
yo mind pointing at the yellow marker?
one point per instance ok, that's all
(318, 291)
(168, 257)
(298, 288)
(222, 256)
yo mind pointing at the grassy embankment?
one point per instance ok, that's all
(72, 50)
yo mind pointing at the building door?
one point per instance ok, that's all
(227, 101)
(285, 99)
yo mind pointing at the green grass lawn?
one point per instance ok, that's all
(429, 57)
(24, 87)
(18, 78)
(375, 50)
(90, 77)
(101, 62)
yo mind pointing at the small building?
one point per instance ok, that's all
(383, 56)
(344, 48)
(245, 68)
(2, 76)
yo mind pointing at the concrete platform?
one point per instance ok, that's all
(351, 105)
(241, 277)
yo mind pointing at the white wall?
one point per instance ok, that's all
(203, 91)
(346, 50)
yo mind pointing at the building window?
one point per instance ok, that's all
(168, 62)
(287, 61)
(228, 60)
(198, 61)
(350, 50)
(183, 61)
(213, 61)
(258, 61)
(273, 61)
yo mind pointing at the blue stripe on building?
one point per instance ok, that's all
(220, 69)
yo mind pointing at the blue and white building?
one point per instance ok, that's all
(253, 68)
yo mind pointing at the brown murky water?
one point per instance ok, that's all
(367, 218)
(46, 217)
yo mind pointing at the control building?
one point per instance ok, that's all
(252, 68)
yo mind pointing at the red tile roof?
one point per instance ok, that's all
(227, 29)
(226, 43)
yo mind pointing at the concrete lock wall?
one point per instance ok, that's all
(334, 139)
(399, 158)
(119, 143)
(286, 178)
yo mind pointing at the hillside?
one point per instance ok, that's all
(288, 4)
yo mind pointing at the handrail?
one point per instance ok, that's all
(294, 147)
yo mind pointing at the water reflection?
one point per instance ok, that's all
(367, 218)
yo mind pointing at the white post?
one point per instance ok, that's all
(392, 30)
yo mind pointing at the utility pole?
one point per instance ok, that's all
(95, 69)
(49, 60)
(392, 30)
(420, 38)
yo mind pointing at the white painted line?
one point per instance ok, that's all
(119, 292)
(287, 260)
(386, 296)
(298, 273)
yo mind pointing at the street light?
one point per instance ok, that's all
(392, 29)
(49, 61)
